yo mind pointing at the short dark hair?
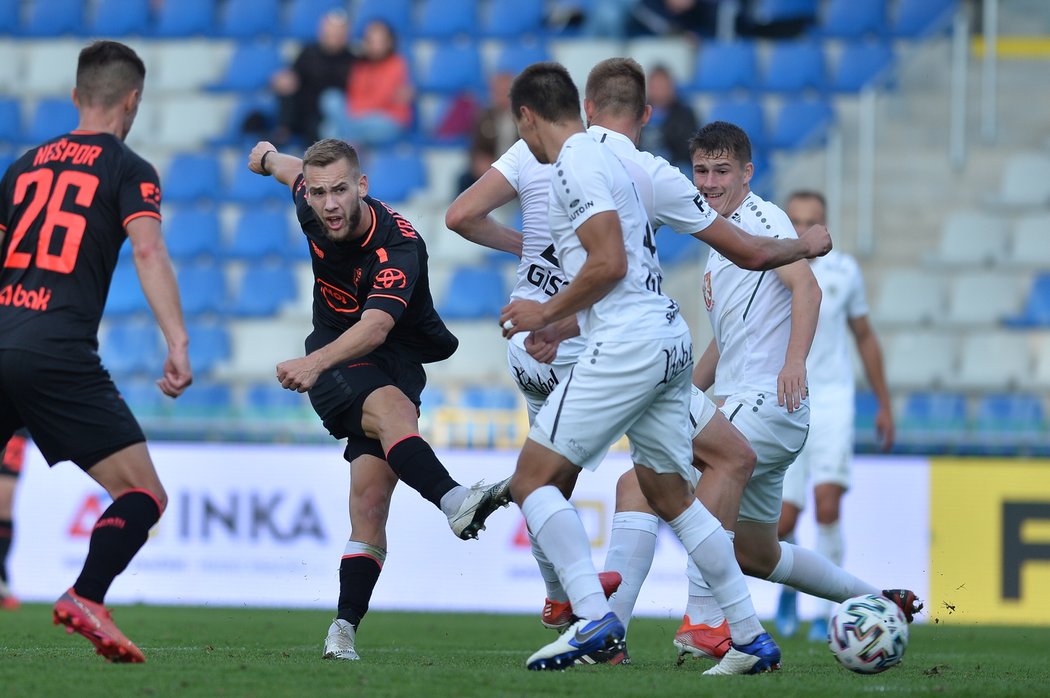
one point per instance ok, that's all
(616, 86)
(547, 89)
(809, 194)
(106, 72)
(722, 138)
(329, 150)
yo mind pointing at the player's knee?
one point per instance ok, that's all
(743, 461)
(390, 414)
(757, 560)
(629, 495)
(827, 511)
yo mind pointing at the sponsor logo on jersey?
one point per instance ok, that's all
(150, 193)
(20, 298)
(676, 360)
(579, 210)
(338, 300)
(541, 384)
(709, 300)
(390, 278)
(317, 250)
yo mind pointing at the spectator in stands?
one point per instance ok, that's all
(825, 459)
(479, 160)
(494, 130)
(320, 66)
(608, 19)
(673, 122)
(377, 106)
(10, 466)
(663, 17)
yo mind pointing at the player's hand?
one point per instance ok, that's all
(177, 373)
(542, 345)
(521, 316)
(884, 429)
(298, 374)
(791, 386)
(255, 157)
(818, 241)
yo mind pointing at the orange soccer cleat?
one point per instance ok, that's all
(557, 615)
(702, 640)
(93, 621)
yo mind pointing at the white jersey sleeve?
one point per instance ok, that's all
(829, 365)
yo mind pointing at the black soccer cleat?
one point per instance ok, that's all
(906, 600)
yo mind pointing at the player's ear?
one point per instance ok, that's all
(75, 98)
(749, 171)
(588, 110)
(131, 100)
(647, 114)
(362, 185)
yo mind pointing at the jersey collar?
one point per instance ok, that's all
(600, 133)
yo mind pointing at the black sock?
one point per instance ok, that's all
(417, 466)
(357, 578)
(118, 534)
(7, 531)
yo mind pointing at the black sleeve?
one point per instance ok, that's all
(394, 277)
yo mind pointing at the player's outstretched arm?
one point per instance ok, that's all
(758, 252)
(805, 310)
(871, 358)
(470, 214)
(606, 263)
(362, 338)
(162, 292)
(264, 159)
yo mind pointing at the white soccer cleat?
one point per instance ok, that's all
(757, 657)
(340, 641)
(480, 502)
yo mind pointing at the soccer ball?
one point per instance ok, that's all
(868, 634)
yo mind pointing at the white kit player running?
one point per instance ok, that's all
(603, 242)
(616, 110)
(825, 460)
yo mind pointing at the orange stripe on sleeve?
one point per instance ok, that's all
(151, 214)
(383, 256)
(384, 295)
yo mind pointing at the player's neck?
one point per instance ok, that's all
(103, 121)
(625, 126)
(365, 224)
(556, 135)
(736, 204)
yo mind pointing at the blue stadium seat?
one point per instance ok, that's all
(261, 232)
(794, 66)
(444, 19)
(180, 18)
(54, 18)
(489, 398)
(745, 113)
(250, 67)
(270, 399)
(10, 120)
(915, 19)
(191, 233)
(723, 66)
(53, 117)
(801, 123)
(9, 16)
(143, 396)
(396, 13)
(770, 11)
(203, 288)
(233, 134)
(933, 419)
(513, 18)
(125, 291)
(263, 290)
(861, 64)
(193, 176)
(474, 293)
(120, 18)
(865, 407)
(433, 396)
(1036, 310)
(1009, 420)
(852, 19)
(303, 15)
(395, 176)
(247, 19)
(674, 248)
(204, 399)
(132, 347)
(249, 188)
(209, 345)
(515, 57)
(454, 67)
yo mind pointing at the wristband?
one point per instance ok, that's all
(262, 163)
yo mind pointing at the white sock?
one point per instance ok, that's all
(453, 499)
(814, 574)
(702, 607)
(830, 545)
(632, 546)
(555, 592)
(560, 533)
(711, 550)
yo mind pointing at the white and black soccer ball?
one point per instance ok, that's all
(868, 634)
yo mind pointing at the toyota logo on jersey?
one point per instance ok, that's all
(390, 278)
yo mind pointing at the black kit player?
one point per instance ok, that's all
(11, 461)
(374, 326)
(65, 208)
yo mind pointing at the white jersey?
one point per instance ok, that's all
(750, 311)
(829, 366)
(668, 196)
(589, 179)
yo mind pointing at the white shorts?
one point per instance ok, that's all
(639, 388)
(827, 455)
(536, 381)
(776, 436)
(701, 411)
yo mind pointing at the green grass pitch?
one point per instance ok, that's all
(193, 651)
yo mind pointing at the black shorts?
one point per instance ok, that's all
(69, 405)
(339, 395)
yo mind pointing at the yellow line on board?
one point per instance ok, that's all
(1020, 47)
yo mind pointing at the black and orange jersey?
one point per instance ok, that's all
(64, 206)
(386, 270)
